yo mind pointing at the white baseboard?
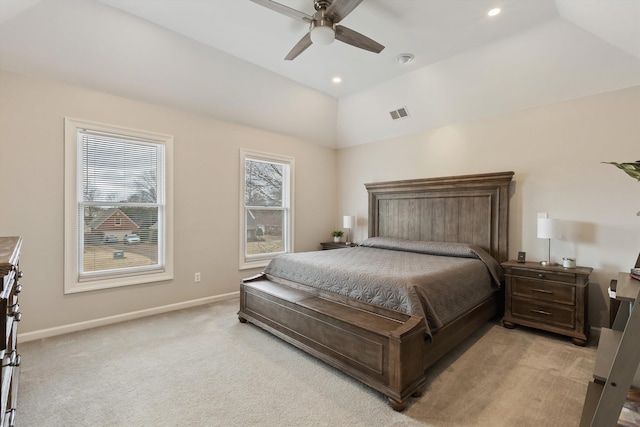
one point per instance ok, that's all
(74, 327)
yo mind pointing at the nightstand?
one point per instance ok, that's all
(551, 298)
(336, 245)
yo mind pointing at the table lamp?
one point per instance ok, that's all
(547, 229)
(349, 222)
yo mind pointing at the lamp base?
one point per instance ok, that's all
(548, 263)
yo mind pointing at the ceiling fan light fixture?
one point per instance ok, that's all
(323, 25)
(321, 34)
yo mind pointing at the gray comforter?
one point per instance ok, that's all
(438, 281)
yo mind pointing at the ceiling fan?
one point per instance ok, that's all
(323, 28)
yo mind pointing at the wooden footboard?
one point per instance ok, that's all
(379, 347)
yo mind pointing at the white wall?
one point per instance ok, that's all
(205, 193)
(554, 150)
(556, 153)
(552, 62)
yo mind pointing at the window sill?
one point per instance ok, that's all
(116, 282)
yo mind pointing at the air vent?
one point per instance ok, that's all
(400, 113)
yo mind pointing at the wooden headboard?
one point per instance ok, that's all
(466, 209)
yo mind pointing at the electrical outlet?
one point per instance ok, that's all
(196, 278)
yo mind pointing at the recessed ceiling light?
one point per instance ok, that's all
(493, 12)
(405, 58)
(336, 79)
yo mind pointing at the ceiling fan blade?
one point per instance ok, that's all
(285, 10)
(300, 47)
(339, 9)
(354, 38)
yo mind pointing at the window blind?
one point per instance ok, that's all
(121, 205)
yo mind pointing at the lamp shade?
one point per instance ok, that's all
(547, 228)
(349, 221)
(322, 35)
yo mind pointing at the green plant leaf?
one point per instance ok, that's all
(632, 168)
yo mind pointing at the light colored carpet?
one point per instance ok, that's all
(201, 367)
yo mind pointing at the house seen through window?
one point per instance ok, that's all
(266, 208)
(117, 229)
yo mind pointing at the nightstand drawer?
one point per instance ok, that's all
(545, 275)
(545, 291)
(547, 297)
(562, 316)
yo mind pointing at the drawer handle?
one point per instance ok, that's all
(540, 276)
(12, 310)
(15, 312)
(13, 359)
(20, 274)
(18, 289)
(542, 291)
(546, 313)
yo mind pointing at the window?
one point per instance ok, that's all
(266, 198)
(118, 210)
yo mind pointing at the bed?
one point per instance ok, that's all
(386, 339)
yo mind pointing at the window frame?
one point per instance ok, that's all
(72, 189)
(258, 261)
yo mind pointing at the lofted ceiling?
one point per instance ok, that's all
(431, 30)
(226, 58)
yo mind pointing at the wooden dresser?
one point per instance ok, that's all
(11, 287)
(552, 298)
